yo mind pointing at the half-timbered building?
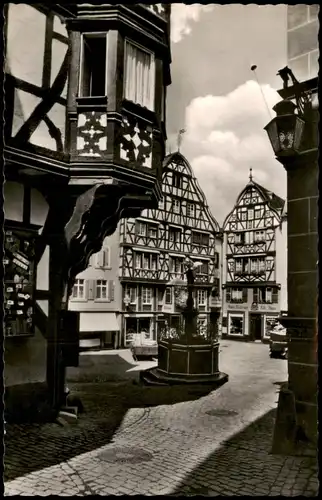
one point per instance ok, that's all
(84, 142)
(255, 263)
(152, 252)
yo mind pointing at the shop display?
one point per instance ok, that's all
(19, 279)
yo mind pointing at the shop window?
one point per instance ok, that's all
(139, 75)
(235, 324)
(78, 289)
(93, 65)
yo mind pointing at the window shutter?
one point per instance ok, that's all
(275, 296)
(106, 257)
(111, 290)
(228, 294)
(245, 294)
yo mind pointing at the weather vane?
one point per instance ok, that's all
(179, 138)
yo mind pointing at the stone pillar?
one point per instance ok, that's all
(301, 322)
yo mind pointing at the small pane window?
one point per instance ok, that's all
(78, 289)
(101, 289)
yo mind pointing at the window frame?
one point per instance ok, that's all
(201, 293)
(151, 103)
(78, 298)
(190, 206)
(91, 34)
(168, 290)
(145, 288)
(230, 317)
(100, 286)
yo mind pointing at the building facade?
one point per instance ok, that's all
(84, 134)
(302, 40)
(96, 295)
(140, 262)
(152, 252)
(255, 264)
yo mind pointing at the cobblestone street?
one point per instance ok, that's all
(139, 440)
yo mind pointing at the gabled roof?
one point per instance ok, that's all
(178, 158)
(275, 202)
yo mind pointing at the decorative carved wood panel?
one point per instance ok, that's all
(136, 142)
(91, 133)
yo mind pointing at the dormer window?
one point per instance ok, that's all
(93, 65)
(139, 75)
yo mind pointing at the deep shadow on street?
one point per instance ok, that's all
(230, 471)
(30, 447)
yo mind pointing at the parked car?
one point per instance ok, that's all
(278, 345)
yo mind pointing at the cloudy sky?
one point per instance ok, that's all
(215, 96)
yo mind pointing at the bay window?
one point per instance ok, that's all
(93, 65)
(139, 75)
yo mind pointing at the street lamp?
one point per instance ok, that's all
(293, 134)
(288, 129)
(285, 131)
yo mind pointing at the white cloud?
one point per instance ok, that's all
(181, 17)
(224, 138)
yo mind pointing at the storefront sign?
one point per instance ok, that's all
(237, 307)
(19, 283)
(265, 307)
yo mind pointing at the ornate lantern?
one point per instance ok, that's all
(285, 131)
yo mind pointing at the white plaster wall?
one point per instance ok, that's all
(92, 273)
(25, 60)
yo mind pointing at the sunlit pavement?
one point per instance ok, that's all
(218, 444)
